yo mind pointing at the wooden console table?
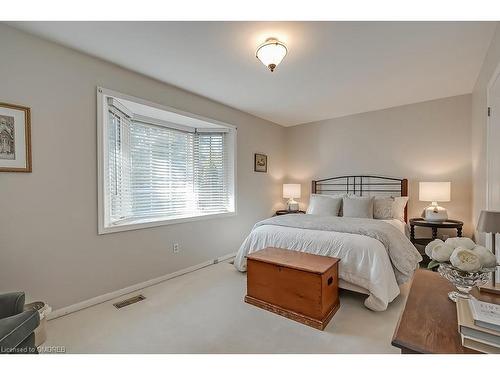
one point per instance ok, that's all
(428, 323)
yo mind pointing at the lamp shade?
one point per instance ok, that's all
(489, 222)
(434, 191)
(291, 191)
(271, 53)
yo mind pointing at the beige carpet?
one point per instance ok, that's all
(204, 312)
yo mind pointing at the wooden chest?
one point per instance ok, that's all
(299, 286)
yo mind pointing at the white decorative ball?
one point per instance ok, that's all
(441, 252)
(430, 246)
(486, 257)
(465, 260)
(455, 242)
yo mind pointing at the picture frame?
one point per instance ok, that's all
(260, 163)
(15, 138)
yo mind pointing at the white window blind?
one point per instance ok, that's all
(160, 173)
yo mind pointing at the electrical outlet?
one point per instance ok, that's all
(176, 248)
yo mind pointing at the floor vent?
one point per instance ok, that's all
(129, 301)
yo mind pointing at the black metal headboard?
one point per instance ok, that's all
(360, 185)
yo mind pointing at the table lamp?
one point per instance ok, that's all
(292, 191)
(489, 222)
(435, 192)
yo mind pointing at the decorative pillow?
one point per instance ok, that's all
(398, 208)
(325, 205)
(389, 208)
(383, 208)
(361, 207)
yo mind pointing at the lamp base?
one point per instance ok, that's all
(436, 214)
(492, 286)
(293, 205)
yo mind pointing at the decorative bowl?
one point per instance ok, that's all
(462, 280)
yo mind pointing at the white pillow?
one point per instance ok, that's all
(325, 205)
(398, 208)
(361, 207)
(389, 208)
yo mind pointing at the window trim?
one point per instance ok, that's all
(102, 213)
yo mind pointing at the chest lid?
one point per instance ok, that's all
(298, 260)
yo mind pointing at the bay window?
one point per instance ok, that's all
(161, 166)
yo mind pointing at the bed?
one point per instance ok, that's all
(376, 255)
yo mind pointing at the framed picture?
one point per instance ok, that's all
(15, 138)
(260, 163)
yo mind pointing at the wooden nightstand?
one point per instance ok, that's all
(422, 242)
(286, 212)
(419, 222)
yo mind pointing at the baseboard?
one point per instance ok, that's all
(133, 288)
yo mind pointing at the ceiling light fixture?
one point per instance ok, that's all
(271, 53)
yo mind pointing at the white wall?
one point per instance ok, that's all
(427, 141)
(479, 126)
(49, 245)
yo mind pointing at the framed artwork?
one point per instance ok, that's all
(260, 163)
(15, 138)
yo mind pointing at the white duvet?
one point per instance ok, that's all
(365, 263)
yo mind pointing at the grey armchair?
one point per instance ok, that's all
(16, 325)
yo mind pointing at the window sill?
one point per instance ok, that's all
(141, 224)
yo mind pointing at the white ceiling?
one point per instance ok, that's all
(332, 69)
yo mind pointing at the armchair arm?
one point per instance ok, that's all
(11, 304)
(15, 329)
